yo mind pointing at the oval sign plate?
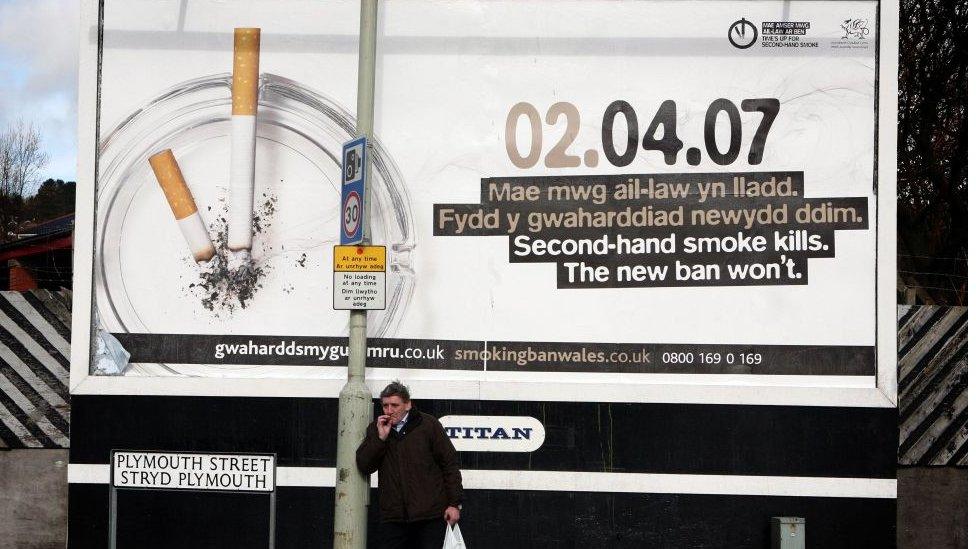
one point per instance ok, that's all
(494, 433)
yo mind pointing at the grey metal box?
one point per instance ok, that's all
(788, 532)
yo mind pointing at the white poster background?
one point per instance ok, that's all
(448, 73)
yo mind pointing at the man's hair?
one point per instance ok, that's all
(396, 389)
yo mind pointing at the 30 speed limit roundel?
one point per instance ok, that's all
(352, 214)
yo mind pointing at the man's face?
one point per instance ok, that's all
(395, 407)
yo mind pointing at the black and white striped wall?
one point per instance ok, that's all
(34, 363)
(933, 385)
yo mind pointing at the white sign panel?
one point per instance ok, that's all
(193, 471)
(631, 188)
(359, 280)
(359, 291)
(494, 433)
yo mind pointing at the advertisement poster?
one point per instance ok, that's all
(593, 189)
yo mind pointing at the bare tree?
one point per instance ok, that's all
(21, 161)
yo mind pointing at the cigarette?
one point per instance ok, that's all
(184, 208)
(244, 101)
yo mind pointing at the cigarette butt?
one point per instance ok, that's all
(171, 180)
(244, 108)
(244, 90)
(174, 187)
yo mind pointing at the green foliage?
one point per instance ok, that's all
(54, 198)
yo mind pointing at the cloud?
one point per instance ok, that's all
(43, 33)
(39, 64)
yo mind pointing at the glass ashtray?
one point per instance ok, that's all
(146, 280)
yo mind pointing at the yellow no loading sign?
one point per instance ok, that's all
(359, 277)
(359, 258)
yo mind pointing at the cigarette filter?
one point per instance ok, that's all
(180, 200)
(244, 100)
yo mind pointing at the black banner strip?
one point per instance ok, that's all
(297, 351)
(664, 358)
(640, 358)
(509, 187)
(579, 436)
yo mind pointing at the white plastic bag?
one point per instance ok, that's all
(453, 539)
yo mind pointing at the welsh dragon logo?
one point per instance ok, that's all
(855, 28)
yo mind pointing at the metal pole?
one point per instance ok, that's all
(113, 515)
(355, 401)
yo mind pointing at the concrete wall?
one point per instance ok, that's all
(33, 499)
(932, 508)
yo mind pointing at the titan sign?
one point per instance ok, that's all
(494, 433)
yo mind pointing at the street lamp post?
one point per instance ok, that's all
(355, 401)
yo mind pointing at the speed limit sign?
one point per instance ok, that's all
(354, 163)
(352, 216)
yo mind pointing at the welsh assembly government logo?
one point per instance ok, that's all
(855, 28)
(743, 34)
(856, 32)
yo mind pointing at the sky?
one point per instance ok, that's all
(39, 76)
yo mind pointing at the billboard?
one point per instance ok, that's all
(611, 198)
(635, 256)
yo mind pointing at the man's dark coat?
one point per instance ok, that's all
(419, 473)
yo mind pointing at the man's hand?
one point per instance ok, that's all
(383, 427)
(452, 515)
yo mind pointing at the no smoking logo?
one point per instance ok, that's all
(743, 34)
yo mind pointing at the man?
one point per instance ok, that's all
(420, 481)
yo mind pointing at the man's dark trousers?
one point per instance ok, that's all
(421, 534)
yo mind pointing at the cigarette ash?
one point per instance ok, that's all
(228, 281)
(262, 218)
(232, 279)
